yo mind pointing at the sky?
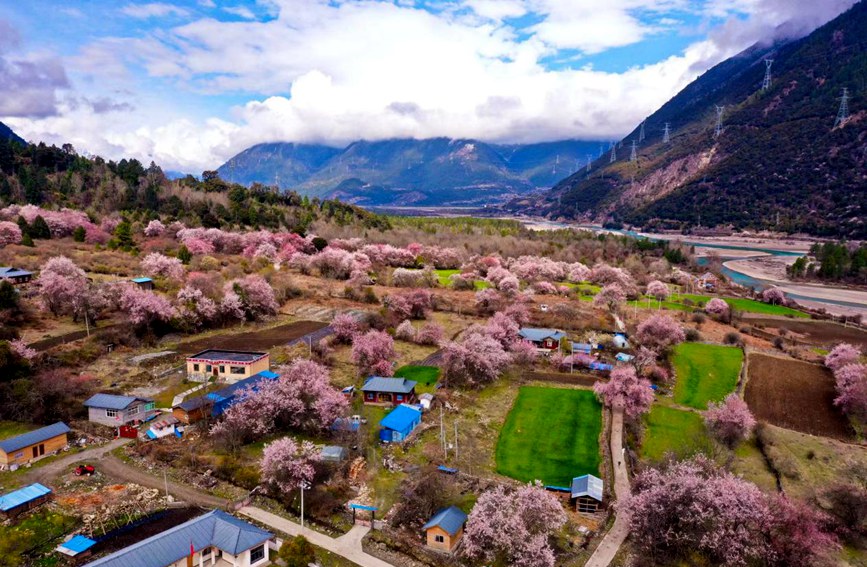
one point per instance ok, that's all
(188, 84)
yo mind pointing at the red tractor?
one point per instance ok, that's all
(81, 470)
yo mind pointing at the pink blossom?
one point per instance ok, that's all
(659, 333)
(717, 306)
(231, 306)
(730, 421)
(524, 353)
(774, 295)
(488, 300)
(405, 331)
(509, 285)
(610, 296)
(144, 307)
(851, 381)
(9, 233)
(158, 265)
(60, 283)
(430, 334)
(195, 307)
(96, 235)
(372, 353)
(475, 361)
(603, 274)
(154, 228)
(256, 295)
(403, 277)
(625, 390)
(545, 288)
(20, 348)
(577, 272)
(198, 246)
(60, 223)
(658, 290)
(841, 355)
(345, 327)
(502, 329)
(535, 268)
(287, 466)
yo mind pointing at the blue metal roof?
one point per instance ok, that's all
(450, 520)
(401, 418)
(141, 280)
(587, 485)
(195, 403)
(10, 272)
(216, 528)
(22, 496)
(232, 389)
(390, 385)
(77, 544)
(112, 401)
(537, 335)
(33, 437)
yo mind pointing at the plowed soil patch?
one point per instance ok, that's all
(254, 340)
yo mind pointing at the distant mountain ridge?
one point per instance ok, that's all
(6, 133)
(410, 172)
(779, 164)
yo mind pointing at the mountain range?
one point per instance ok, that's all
(410, 172)
(6, 133)
(780, 162)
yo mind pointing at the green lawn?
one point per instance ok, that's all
(425, 375)
(12, 428)
(705, 373)
(672, 430)
(551, 434)
(753, 306)
(444, 275)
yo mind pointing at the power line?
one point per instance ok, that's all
(719, 123)
(613, 154)
(843, 113)
(766, 83)
(634, 154)
(666, 135)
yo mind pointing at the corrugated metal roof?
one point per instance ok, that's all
(537, 335)
(112, 401)
(216, 528)
(390, 385)
(22, 496)
(76, 545)
(450, 519)
(400, 418)
(141, 280)
(240, 356)
(333, 453)
(10, 272)
(587, 485)
(33, 437)
(195, 403)
(232, 389)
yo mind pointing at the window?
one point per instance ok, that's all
(222, 369)
(257, 554)
(111, 413)
(439, 539)
(195, 368)
(205, 552)
(237, 370)
(134, 409)
(207, 368)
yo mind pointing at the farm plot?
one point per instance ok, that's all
(795, 395)
(674, 431)
(551, 434)
(261, 339)
(822, 333)
(705, 373)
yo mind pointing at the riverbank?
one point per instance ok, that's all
(787, 245)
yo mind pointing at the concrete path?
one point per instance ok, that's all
(615, 537)
(46, 473)
(348, 545)
(180, 397)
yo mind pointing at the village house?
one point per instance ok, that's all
(394, 391)
(399, 423)
(114, 411)
(34, 445)
(215, 403)
(216, 539)
(587, 493)
(545, 340)
(445, 529)
(15, 276)
(226, 365)
(19, 501)
(144, 283)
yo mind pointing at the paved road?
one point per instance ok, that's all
(615, 537)
(182, 396)
(348, 545)
(46, 473)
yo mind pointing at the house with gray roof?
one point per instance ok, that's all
(15, 276)
(215, 539)
(445, 529)
(545, 340)
(389, 391)
(114, 410)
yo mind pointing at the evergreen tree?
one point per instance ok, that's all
(39, 228)
(78, 234)
(8, 296)
(297, 552)
(27, 240)
(123, 236)
(184, 254)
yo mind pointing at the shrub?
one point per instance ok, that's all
(732, 338)
(692, 335)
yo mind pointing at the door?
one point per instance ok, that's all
(35, 451)
(41, 449)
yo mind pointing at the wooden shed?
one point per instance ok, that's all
(445, 529)
(34, 445)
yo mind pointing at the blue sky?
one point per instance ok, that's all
(189, 84)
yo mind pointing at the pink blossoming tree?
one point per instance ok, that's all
(372, 354)
(717, 306)
(60, 283)
(611, 297)
(658, 290)
(659, 333)
(157, 265)
(774, 296)
(842, 355)
(730, 421)
(627, 391)
(144, 307)
(256, 296)
(287, 465)
(475, 361)
(345, 327)
(851, 384)
(154, 228)
(9, 233)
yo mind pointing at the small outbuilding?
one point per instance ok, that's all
(399, 423)
(15, 276)
(546, 340)
(215, 403)
(76, 546)
(333, 454)
(19, 501)
(445, 529)
(226, 365)
(114, 410)
(587, 493)
(394, 391)
(144, 283)
(34, 445)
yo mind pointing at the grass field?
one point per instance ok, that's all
(13, 428)
(427, 375)
(551, 434)
(705, 373)
(444, 275)
(672, 430)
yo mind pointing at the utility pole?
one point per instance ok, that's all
(843, 113)
(304, 485)
(456, 441)
(719, 123)
(634, 154)
(641, 132)
(666, 134)
(613, 154)
(766, 83)
(443, 433)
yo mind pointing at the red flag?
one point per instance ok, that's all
(192, 549)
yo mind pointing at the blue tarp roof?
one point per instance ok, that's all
(450, 519)
(112, 401)
(401, 418)
(587, 485)
(141, 280)
(391, 385)
(537, 335)
(623, 357)
(216, 528)
(77, 544)
(22, 496)
(33, 437)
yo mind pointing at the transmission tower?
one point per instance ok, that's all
(556, 163)
(719, 124)
(613, 154)
(589, 161)
(634, 154)
(666, 134)
(843, 113)
(641, 132)
(766, 83)
(601, 149)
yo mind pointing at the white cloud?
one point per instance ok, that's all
(240, 11)
(153, 10)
